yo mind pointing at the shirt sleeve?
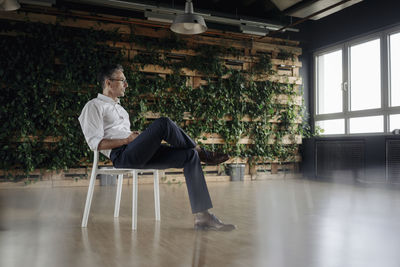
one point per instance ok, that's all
(91, 120)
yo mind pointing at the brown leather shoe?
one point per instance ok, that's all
(212, 158)
(208, 221)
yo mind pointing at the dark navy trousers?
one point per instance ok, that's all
(147, 152)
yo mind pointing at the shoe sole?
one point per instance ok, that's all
(207, 228)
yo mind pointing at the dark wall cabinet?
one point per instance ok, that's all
(369, 159)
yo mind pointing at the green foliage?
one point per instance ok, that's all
(154, 44)
(263, 65)
(285, 55)
(48, 73)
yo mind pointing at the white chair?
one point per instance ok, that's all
(120, 173)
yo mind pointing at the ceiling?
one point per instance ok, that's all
(272, 14)
(275, 10)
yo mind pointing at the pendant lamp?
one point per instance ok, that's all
(9, 5)
(188, 23)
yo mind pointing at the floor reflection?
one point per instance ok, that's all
(281, 223)
(199, 249)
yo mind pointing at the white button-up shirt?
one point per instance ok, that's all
(103, 118)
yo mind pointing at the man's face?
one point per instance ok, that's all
(118, 84)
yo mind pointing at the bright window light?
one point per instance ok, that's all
(331, 126)
(370, 124)
(395, 69)
(365, 75)
(394, 121)
(329, 82)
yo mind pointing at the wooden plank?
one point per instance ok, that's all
(285, 72)
(180, 179)
(296, 72)
(296, 158)
(213, 138)
(159, 69)
(267, 39)
(81, 172)
(191, 52)
(258, 46)
(126, 46)
(33, 17)
(236, 160)
(156, 115)
(187, 116)
(59, 179)
(196, 82)
(281, 166)
(278, 99)
(26, 185)
(225, 42)
(279, 79)
(206, 168)
(253, 170)
(155, 32)
(285, 99)
(96, 25)
(46, 139)
(274, 168)
(21, 173)
(187, 72)
(291, 139)
(290, 63)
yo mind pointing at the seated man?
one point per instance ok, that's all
(106, 127)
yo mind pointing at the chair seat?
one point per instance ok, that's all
(114, 171)
(121, 171)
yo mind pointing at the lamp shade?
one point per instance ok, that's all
(188, 23)
(9, 5)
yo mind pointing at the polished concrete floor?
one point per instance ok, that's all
(280, 223)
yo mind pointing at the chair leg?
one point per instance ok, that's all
(134, 199)
(156, 195)
(89, 197)
(118, 197)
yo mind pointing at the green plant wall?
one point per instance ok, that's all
(48, 72)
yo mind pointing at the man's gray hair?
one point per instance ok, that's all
(106, 72)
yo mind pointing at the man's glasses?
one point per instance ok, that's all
(119, 80)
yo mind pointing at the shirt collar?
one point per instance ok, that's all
(107, 99)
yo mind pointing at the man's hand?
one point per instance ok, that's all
(113, 143)
(132, 136)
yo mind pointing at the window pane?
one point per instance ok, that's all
(329, 82)
(394, 122)
(395, 69)
(332, 126)
(372, 124)
(365, 76)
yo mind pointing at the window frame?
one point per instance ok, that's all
(395, 30)
(316, 93)
(346, 113)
